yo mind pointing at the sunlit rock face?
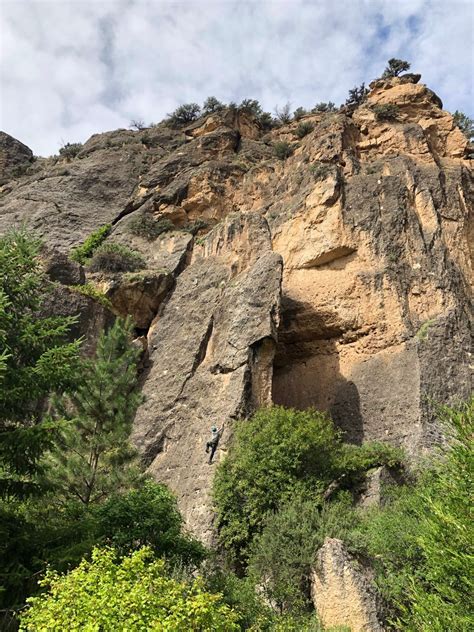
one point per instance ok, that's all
(339, 278)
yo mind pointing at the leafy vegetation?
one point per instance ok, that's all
(93, 457)
(134, 593)
(465, 124)
(386, 112)
(35, 361)
(92, 292)
(211, 105)
(421, 542)
(113, 257)
(277, 455)
(324, 107)
(282, 149)
(320, 170)
(70, 150)
(82, 253)
(146, 226)
(304, 129)
(299, 113)
(283, 115)
(357, 95)
(184, 115)
(395, 67)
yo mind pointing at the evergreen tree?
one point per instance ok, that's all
(357, 95)
(465, 124)
(35, 361)
(211, 104)
(395, 67)
(94, 457)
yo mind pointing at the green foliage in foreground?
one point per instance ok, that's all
(93, 456)
(422, 543)
(277, 455)
(82, 253)
(131, 594)
(35, 361)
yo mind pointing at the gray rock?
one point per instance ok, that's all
(15, 157)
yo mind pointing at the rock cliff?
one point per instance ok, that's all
(339, 278)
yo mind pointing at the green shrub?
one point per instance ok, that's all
(283, 150)
(70, 150)
(282, 556)
(324, 107)
(320, 170)
(111, 257)
(299, 113)
(304, 129)
(146, 226)
(267, 122)
(395, 67)
(82, 253)
(251, 106)
(211, 105)
(147, 516)
(134, 593)
(89, 290)
(465, 124)
(276, 455)
(357, 95)
(283, 115)
(386, 112)
(184, 114)
(421, 543)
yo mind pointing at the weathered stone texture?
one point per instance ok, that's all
(342, 590)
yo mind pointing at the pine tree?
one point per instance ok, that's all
(94, 457)
(395, 67)
(35, 361)
(357, 95)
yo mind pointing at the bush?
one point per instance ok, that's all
(195, 227)
(147, 516)
(465, 124)
(184, 114)
(320, 170)
(278, 454)
(304, 129)
(70, 150)
(283, 115)
(421, 543)
(324, 107)
(299, 113)
(395, 67)
(251, 106)
(116, 258)
(146, 226)
(134, 593)
(211, 104)
(282, 556)
(357, 95)
(137, 125)
(82, 253)
(386, 112)
(92, 292)
(283, 150)
(267, 122)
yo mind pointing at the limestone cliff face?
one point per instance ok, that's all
(339, 278)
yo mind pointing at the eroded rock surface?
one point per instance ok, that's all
(373, 221)
(342, 590)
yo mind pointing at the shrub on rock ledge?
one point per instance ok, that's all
(386, 112)
(112, 257)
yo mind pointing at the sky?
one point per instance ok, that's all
(72, 68)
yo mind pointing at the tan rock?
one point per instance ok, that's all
(342, 591)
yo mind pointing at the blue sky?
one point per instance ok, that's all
(70, 68)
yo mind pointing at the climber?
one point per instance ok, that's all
(214, 441)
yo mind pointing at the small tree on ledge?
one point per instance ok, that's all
(395, 67)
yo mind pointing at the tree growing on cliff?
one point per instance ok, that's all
(357, 95)
(35, 361)
(211, 105)
(395, 67)
(184, 114)
(94, 456)
(465, 124)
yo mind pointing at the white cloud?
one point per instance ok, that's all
(69, 69)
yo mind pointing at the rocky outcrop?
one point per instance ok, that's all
(373, 222)
(15, 158)
(342, 590)
(211, 356)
